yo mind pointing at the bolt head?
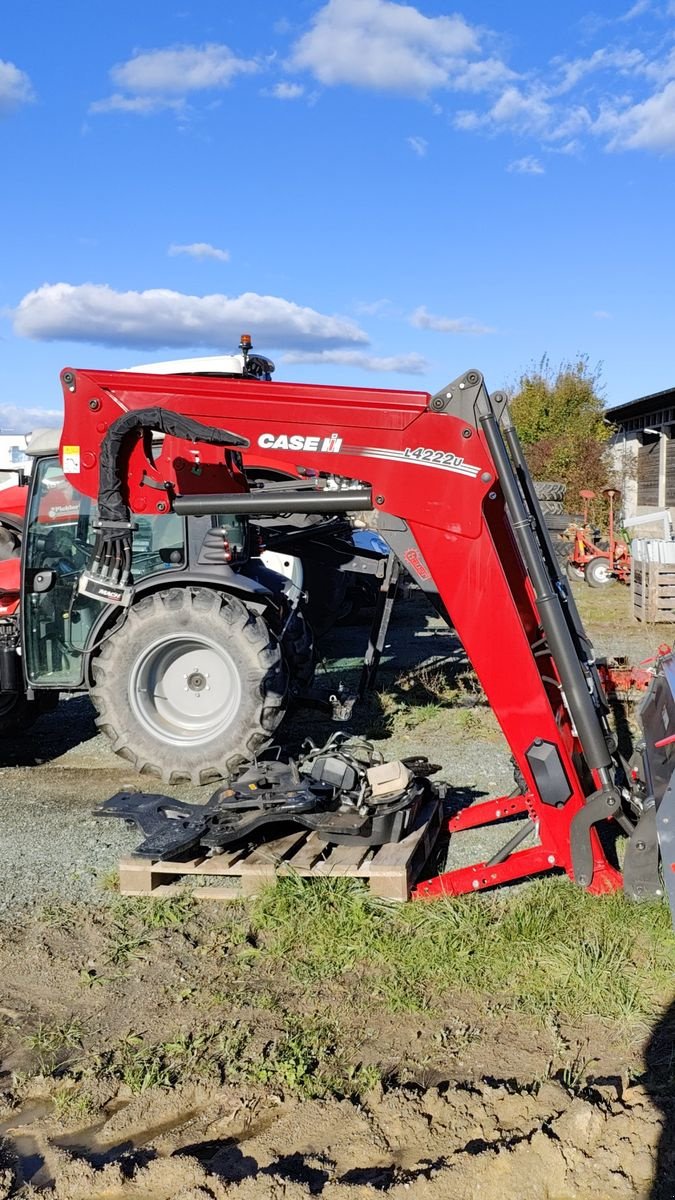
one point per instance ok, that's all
(475, 885)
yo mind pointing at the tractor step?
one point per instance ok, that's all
(390, 870)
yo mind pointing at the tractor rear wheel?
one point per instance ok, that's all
(190, 686)
(597, 573)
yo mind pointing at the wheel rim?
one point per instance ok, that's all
(185, 689)
(601, 572)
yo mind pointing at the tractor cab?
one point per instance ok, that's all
(60, 624)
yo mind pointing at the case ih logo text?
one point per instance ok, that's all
(417, 564)
(294, 441)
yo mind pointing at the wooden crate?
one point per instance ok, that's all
(653, 591)
(390, 870)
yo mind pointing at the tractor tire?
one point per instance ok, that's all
(152, 691)
(11, 530)
(597, 573)
(562, 549)
(18, 714)
(552, 507)
(298, 648)
(558, 522)
(575, 573)
(547, 489)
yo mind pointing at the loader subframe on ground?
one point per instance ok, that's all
(456, 504)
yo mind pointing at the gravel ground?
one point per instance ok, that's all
(54, 848)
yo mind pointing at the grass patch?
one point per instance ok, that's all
(550, 949)
(52, 1045)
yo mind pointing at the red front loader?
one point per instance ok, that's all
(447, 479)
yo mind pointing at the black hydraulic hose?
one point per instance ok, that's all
(112, 506)
(516, 450)
(559, 637)
(581, 638)
(321, 500)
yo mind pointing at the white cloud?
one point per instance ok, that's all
(522, 112)
(200, 250)
(399, 364)
(152, 80)
(637, 10)
(601, 315)
(143, 106)
(374, 308)
(180, 69)
(649, 125)
(529, 165)
(623, 62)
(160, 318)
(287, 91)
(15, 87)
(382, 45)
(422, 319)
(419, 144)
(482, 76)
(16, 419)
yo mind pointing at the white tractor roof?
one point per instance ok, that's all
(43, 441)
(215, 364)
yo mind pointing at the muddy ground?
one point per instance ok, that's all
(180, 1051)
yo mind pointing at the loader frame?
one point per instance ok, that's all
(456, 503)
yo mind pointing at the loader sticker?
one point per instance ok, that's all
(296, 441)
(416, 563)
(420, 456)
(71, 460)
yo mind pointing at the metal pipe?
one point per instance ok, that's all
(511, 845)
(321, 500)
(558, 634)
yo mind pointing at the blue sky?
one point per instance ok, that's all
(383, 194)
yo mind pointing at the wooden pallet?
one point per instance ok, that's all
(389, 870)
(653, 591)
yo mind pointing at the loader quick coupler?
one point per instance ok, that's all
(343, 791)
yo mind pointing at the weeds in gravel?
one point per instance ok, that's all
(550, 949)
(308, 1058)
(71, 1103)
(51, 1045)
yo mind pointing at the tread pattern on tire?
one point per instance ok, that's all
(549, 489)
(552, 507)
(239, 626)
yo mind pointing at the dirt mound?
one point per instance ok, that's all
(493, 1140)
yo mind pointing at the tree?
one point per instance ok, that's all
(559, 415)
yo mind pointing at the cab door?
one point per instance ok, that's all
(56, 620)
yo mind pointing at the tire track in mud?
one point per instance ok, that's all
(515, 1141)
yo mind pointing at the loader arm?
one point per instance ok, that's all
(454, 499)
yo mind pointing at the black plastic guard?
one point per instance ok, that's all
(665, 829)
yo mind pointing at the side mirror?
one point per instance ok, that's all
(40, 581)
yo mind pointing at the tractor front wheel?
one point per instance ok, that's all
(190, 686)
(597, 573)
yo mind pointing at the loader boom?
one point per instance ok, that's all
(454, 499)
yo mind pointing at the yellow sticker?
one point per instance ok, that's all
(71, 460)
